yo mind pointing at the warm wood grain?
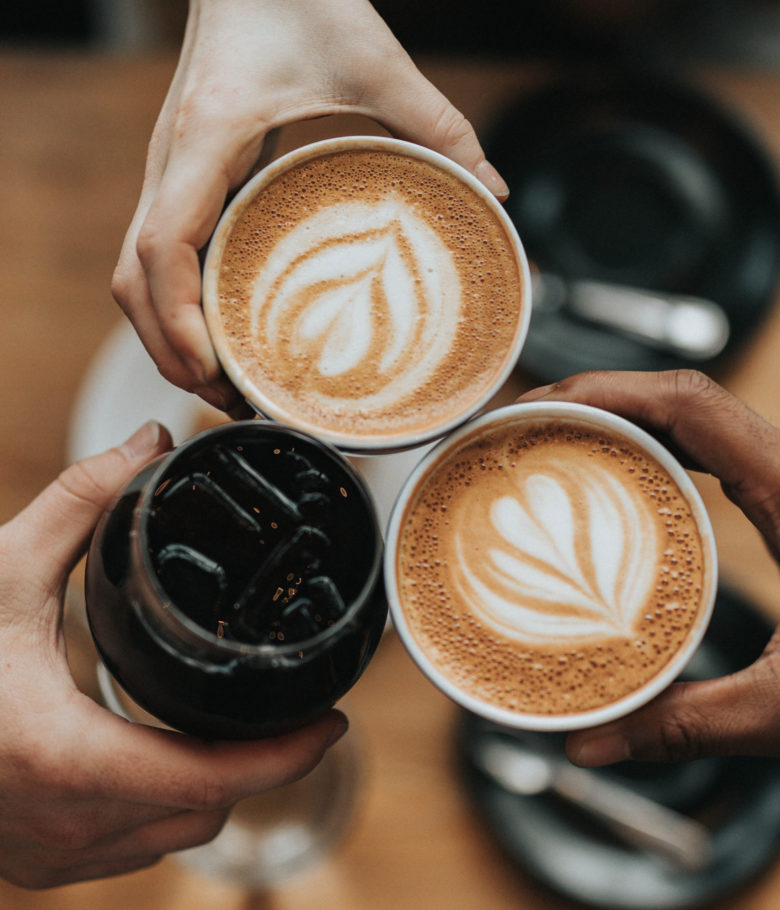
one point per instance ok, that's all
(73, 132)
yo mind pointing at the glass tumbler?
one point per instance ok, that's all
(234, 590)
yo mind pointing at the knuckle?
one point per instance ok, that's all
(686, 383)
(53, 773)
(79, 482)
(120, 287)
(681, 739)
(125, 282)
(686, 392)
(207, 795)
(30, 764)
(149, 240)
(452, 128)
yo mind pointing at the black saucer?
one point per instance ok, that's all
(639, 181)
(737, 798)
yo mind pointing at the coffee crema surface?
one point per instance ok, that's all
(369, 293)
(549, 569)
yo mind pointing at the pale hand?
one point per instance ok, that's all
(248, 67)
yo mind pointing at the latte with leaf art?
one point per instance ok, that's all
(551, 566)
(569, 556)
(367, 291)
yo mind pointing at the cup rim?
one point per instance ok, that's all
(598, 418)
(172, 615)
(375, 443)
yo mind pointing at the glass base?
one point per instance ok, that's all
(280, 834)
(274, 836)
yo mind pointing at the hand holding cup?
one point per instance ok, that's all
(712, 431)
(550, 566)
(245, 70)
(87, 795)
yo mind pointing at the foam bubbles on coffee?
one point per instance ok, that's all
(549, 569)
(367, 292)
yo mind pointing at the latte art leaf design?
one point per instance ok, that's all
(553, 568)
(368, 280)
(338, 319)
(368, 310)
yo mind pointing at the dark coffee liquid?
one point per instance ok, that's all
(250, 542)
(265, 541)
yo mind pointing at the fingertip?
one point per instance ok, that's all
(197, 352)
(241, 410)
(489, 177)
(339, 728)
(147, 440)
(597, 749)
(212, 396)
(537, 393)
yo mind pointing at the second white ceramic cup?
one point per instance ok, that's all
(523, 416)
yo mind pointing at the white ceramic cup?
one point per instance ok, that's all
(528, 415)
(261, 397)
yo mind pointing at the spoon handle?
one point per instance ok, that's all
(639, 820)
(689, 327)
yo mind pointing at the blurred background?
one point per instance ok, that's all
(745, 32)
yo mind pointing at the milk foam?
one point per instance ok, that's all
(549, 568)
(367, 296)
(569, 554)
(360, 286)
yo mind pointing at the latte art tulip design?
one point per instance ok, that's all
(367, 312)
(559, 554)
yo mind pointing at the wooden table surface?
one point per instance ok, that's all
(73, 133)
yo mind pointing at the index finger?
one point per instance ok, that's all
(177, 226)
(713, 428)
(163, 768)
(410, 107)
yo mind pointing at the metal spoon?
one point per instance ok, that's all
(643, 823)
(689, 327)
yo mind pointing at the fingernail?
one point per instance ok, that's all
(144, 440)
(489, 176)
(196, 368)
(211, 396)
(602, 750)
(534, 394)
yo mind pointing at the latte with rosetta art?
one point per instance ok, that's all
(365, 294)
(549, 568)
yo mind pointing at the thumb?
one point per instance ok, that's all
(734, 715)
(57, 523)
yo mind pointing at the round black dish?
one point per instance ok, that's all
(639, 181)
(737, 798)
